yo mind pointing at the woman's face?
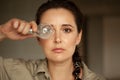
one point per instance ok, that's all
(61, 45)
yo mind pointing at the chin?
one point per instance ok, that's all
(59, 59)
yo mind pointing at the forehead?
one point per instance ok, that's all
(58, 11)
(58, 15)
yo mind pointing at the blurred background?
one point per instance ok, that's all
(101, 45)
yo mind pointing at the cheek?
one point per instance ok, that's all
(70, 40)
(45, 44)
(71, 44)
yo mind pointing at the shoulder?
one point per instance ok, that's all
(22, 63)
(90, 75)
(19, 61)
(20, 67)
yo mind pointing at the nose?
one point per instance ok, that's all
(57, 38)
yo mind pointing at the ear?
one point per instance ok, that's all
(79, 38)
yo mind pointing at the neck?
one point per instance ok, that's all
(61, 70)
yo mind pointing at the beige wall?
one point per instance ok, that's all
(104, 45)
(95, 43)
(111, 47)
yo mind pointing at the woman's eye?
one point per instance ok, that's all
(67, 30)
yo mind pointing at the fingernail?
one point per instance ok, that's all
(15, 24)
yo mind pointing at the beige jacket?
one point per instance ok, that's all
(16, 69)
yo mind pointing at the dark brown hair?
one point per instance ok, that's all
(66, 4)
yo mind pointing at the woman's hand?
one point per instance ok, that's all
(16, 29)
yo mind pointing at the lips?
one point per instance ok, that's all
(58, 50)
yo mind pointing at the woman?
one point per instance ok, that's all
(62, 58)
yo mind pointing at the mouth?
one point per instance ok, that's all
(58, 50)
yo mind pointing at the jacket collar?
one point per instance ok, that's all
(42, 68)
(87, 73)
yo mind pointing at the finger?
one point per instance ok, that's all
(26, 29)
(15, 22)
(21, 26)
(25, 36)
(33, 26)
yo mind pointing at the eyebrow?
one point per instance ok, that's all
(64, 25)
(67, 25)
